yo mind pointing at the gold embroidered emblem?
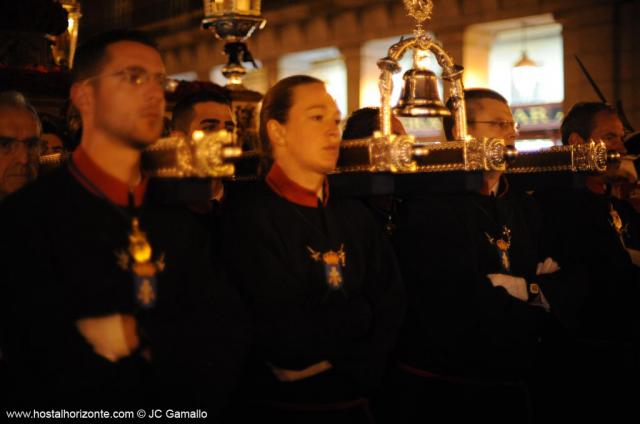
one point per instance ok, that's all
(502, 245)
(146, 294)
(333, 263)
(139, 247)
(616, 222)
(137, 259)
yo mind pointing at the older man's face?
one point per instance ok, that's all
(608, 128)
(18, 149)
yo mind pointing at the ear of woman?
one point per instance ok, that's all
(276, 132)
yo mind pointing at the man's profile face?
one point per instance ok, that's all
(18, 162)
(129, 112)
(492, 119)
(211, 116)
(608, 128)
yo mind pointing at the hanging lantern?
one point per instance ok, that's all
(64, 45)
(234, 21)
(524, 75)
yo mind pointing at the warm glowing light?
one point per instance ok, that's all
(197, 135)
(243, 5)
(472, 78)
(421, 59)
(369, 92)
(525, 77)
(221, 7)
(533, 145)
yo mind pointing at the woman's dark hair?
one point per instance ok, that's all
(276, 104)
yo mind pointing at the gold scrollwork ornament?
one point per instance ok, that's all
(420, 10)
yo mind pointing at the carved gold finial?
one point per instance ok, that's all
(420, 10)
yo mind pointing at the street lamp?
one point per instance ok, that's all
(524, 75)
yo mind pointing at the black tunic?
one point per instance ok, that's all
(589, 367)
(59, 265)
(458, 323)
(300, 317)
(579, 233)
(466, 347)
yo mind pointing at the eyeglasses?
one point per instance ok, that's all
(503, 125)
(33, 144)
(138, 77)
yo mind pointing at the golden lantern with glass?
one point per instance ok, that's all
(234, 21)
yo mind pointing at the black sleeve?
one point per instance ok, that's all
(365, 359)
(601, 282)
(453, 308)
(294, 327)
(201, 351)
(565, 290)
(286, 325)
(40, 344)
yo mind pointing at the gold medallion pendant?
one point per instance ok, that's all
(617, 224)
(137, 259)
(333, 262)
(502, 246)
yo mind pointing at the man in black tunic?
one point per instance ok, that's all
(107, 299)
(316, 271)
(470, 264)
(207, 110)
(595, 359)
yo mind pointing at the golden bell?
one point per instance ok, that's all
(420, 96)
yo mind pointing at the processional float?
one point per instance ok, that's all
(384, 153)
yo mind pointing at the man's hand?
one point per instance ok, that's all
(634, 255)
(112, 337)
(549, 266)
(625, 172)
(515, 286)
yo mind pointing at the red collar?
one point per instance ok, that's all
(284, 187)
(116, 191)
(595, 185)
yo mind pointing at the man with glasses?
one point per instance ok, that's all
(20, 145)
(473, 274)
(488, 115)
(111, 300)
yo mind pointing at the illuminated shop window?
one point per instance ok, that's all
(543, 46)
(491, 54)
(325, 64)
